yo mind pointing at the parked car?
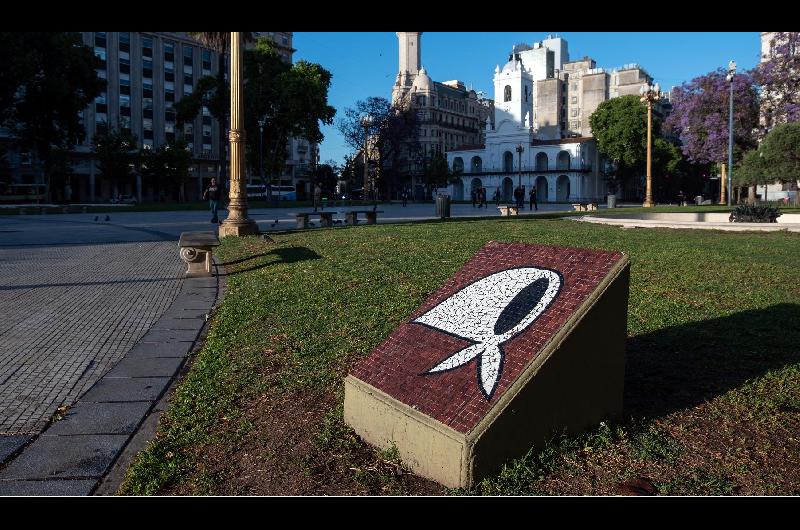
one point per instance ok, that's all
(124, 199)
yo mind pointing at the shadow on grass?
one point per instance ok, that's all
(285, 255)
(682, 366)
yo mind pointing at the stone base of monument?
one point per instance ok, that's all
(523, 343)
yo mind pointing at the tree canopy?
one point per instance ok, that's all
(701, 112)
(779, 77)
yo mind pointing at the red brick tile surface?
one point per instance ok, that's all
(398, 365)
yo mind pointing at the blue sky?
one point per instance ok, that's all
(365, 64)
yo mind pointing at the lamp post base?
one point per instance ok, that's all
(242, 228)
(648, 204)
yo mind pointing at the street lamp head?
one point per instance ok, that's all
(657, 89)
(366, 121)
(261, 121)
(732, 67)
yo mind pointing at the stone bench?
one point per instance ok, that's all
(506, 210)
(325, 219)
(584, 206)
(351, 217)
(196, 249)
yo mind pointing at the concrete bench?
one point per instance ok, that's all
(584, 206)
(351, 217)
(506, 210)
(325, 218)
(196, 249)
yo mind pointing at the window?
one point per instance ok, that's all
(169, 95)
(507, 93)
(100, 39)
(148, 142)
(187, 79)
(574, 99)
(169, 52)
(125, 122)
(147, 47)
(147, 68)
(187, 55)
(101, 54)
(169, 76)
(207, 60)
(125, 86)
(147, 89)
(124, 66)
(169, 116)
(574, 112)
(187, 89)
(124, 41)
(124, 101)
(285, 41)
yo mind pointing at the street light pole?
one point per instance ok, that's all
(238, 223)
(261, 122)
(649, 95)
(520, 149)
(731, 74)
(366, 121)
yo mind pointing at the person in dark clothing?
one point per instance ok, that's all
(474, 196)
(404, 196)
(534, 203)
(497, 197)
(211, 194)
(519, 197)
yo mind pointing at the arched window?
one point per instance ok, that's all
(477, 164)
(562, 162)
(541, 162)
(507, 93)
(458, 164)
(508, 161)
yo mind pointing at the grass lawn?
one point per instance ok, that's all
(712, 387)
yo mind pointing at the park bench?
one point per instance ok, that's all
(351, 217)
(196, 249)
(507, 210)
(584, 206)
(325, 218)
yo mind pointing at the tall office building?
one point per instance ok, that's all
(146, 74)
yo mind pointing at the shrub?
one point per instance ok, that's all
(754, 213)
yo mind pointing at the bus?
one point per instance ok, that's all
(22, 193)
(283, 193)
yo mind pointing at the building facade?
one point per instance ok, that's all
(542, 104)
(146, 73)
(449, 113)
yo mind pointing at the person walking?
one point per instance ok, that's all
(317, 196)
(211, 194)
(404, 196)
(534, 203)
(518, 197)
(497, 197)
(474, 196)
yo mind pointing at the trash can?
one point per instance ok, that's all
(442, 206)
(611, 201)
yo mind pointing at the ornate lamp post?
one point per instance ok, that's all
(237, 223)
(366, 122)
(520, 149)
(731, 74)
(649, 95)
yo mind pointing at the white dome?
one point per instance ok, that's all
(423, 80)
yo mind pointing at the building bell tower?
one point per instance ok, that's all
(410, 46)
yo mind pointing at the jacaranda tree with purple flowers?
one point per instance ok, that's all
(700, 116)
(779, 78)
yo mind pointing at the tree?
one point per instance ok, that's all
(752, 171)
(19, 64)
(779, 77)
(701, 112)
(392, 128)
(116, 155)
(62, 82)
(620, 126)
(167, 168)
(291, 98)
(216, 95)
(437, 172)
(781, 150)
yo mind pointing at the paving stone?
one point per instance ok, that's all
(100, 418)
(79, 456)
(146, 367)
(170, 335)
(81, 487)
(115, 389)
(160, 349)
(10, 444)
(180, 323)
(187, 313)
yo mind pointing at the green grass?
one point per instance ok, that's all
(712, 324)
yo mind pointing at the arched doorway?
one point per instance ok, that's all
(562, 188)
(541, 162)
(541, 189)
(508, 190)
(458, 190)
(458, 164)
(475, 185)
(563, 160)
(508, 161)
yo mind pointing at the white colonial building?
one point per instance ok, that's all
(562, 169)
